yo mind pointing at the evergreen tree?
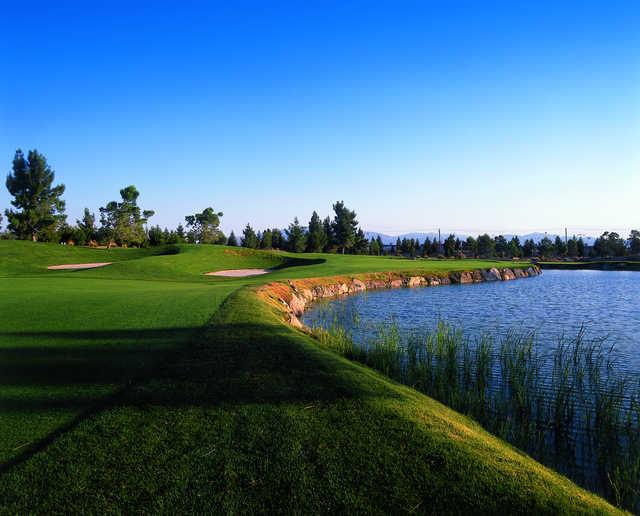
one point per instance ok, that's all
(277, 239)
(328, 231)
(361, 244)
(426, 247)
(486, 246)
(501, 246)
(180, 234)
(267, 239)
(412, 247)
(156, 236)
(450, 246)
(616, 245)
(515, 249)
(86, 227)
(580, 246)
(205, 226)
(296, 237)
(317, 239)
(232, 240)
(559, 246)
(65, 234)
(380, 245)
(634, 242)
(374, 247)
(124, 221)
(249, 238)
(471, 246)
(529, 248)
(344, 226)
(39, 206)
(222, 239)
(572, 247)
(398, 247)
(545, 247)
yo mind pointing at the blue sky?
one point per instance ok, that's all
(470, 116)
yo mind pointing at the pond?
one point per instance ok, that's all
(606, 303)
(549, 363)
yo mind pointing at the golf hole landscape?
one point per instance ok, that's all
(320, 258)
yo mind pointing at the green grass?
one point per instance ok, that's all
(146, 386)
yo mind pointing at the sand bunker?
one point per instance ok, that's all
(76, 266)
(238, 273)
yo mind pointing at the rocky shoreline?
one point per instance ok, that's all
(293, 297)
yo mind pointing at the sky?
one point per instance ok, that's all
(467, 116)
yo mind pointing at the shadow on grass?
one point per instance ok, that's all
(83, 357)
(221, 364)
(298, 262)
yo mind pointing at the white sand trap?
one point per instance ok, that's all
(238, 273)
(77, 266)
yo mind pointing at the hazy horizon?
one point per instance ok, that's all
(495, 118)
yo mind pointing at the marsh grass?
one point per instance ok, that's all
(569, 407)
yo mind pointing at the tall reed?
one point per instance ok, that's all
(570, 407)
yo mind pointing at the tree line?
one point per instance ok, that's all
(38, 215)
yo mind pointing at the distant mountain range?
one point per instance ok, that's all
(390, 239)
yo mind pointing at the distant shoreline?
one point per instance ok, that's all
(603, 265)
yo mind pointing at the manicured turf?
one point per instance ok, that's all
(146, 386)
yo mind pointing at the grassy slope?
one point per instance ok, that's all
(251, 415)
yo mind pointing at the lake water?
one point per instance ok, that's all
(569, 410)
(607, 303)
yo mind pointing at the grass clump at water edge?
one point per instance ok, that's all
(570, 408)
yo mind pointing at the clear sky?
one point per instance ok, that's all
(470, 116)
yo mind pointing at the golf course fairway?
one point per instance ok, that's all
(147, 386)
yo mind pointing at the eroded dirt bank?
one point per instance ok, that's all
(294, 296)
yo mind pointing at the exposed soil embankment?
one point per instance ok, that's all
(292, 297)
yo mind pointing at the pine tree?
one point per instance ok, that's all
(40, 208)
(249, 238)
(560, 247)
(232, 240)
(529, 248)
(317, 239)
(361, 244)
(180, 233)
(296, 237)
(471, 246)
(205, 226)
(267, 239)
(450, 246)
(124, 221)
(277, 239)
(501, 246)
(328, 230)
(156, 236)
(486, 246)
(426, 247)
(86, 227)
(545, 246)
(634, 242)
(515, 249)
(344, 226)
